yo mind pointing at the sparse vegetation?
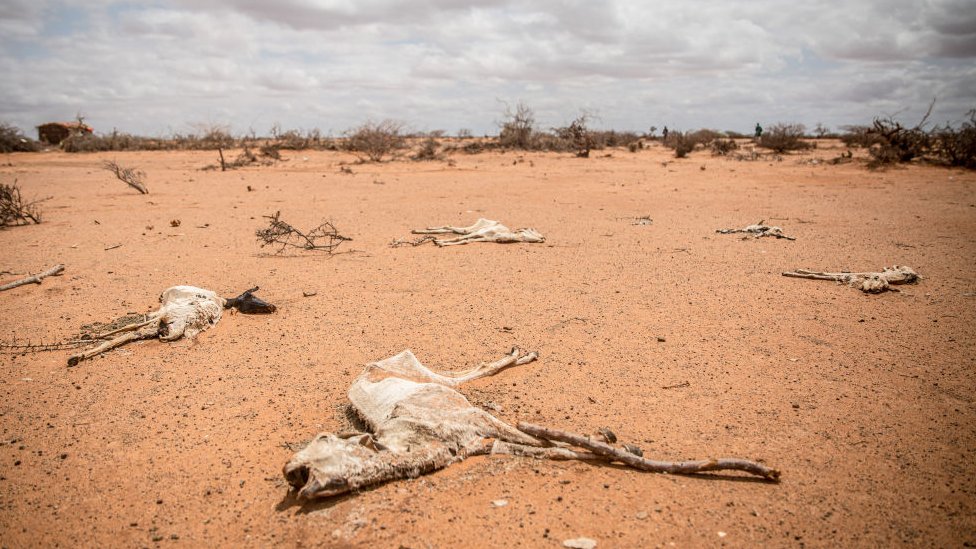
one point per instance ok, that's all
(15, 209)
(518, 128)
(375, 140)
(782, 137)
(324, 237)
(428, 150)
(132, 177)
(957, 147)
(13, 140)
(578, 135)
(722, 147)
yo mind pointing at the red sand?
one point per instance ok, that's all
(866, 403)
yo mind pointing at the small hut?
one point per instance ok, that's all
(54, 133)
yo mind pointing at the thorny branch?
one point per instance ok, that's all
(632, 460)
(14, 209)
(279, 233)
(130, 176)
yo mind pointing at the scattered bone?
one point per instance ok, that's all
(642, 220)
(185, 311)
(758, 230)
(34, 279)
(420, 423)
(872, 283)
(483, 230)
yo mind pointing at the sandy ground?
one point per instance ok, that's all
(865, 402)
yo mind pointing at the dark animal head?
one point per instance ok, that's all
(250, 305)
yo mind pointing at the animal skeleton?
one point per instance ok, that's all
(758, 230)
(420, 423)
(872, 283)
(483, 230)
(185, 311)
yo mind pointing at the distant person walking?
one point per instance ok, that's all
(758, 130)
(665, 132)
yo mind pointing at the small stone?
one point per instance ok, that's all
(579, 543)
(660, 339)
(309, 293)
(796, 406)
(500, 502)
(642, 515)
(722, 534)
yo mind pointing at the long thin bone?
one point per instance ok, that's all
(111, 344)
(644, 464)
(130, 327)
(35, 279)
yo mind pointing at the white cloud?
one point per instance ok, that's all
(445, 63)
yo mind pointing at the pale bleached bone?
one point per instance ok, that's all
(758, 230)
(420, 423)
(484, 230)
(872, 283)
(184, 311)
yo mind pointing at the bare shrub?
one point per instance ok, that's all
(722, 147)
(578, 135)
(375, 140)
(783, 137)
(15, 209)
(324, 237)
(428, 150)
(957, 147)
(895, 143)
(13, 140)
(518, 129)
(682, 143)
(295, 140)
(132, 177)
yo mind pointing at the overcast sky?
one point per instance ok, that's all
(161, 67)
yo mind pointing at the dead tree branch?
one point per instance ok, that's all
(34, 279)
(130, 176)
(644, 464)
(279, 233)
(14, 209)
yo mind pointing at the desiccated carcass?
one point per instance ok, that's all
(184, 311)
(483, 230)
(872, 283)
(758, 230)
(418, 422)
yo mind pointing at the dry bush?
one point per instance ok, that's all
(783, 137)
(682, 143)
(428, 150)
(295, 140)
(722, 147)
(15, 209)
(132, 177)
(518, 129)
(13, 140)
(375, 140)
(957, 147)
(279, 233)
(577, 135)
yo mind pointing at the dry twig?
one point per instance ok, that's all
(644, 464)
(130, 176)
(34, 279)
(279, 233)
